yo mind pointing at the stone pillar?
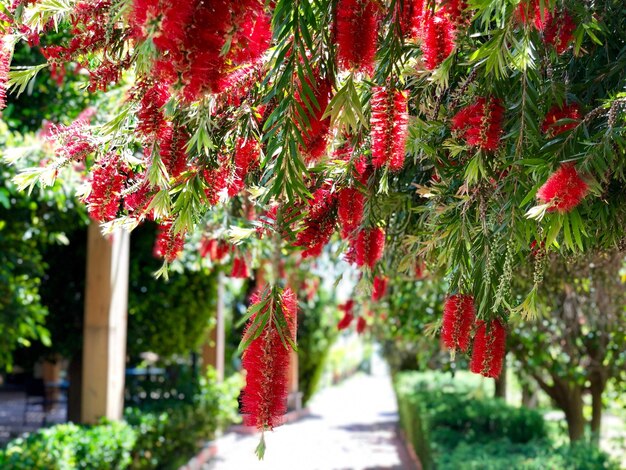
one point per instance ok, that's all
(104, 348)
(214, 348)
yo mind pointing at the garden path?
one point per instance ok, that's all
(352, 426)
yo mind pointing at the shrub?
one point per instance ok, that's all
(453, 425)
(69, 446)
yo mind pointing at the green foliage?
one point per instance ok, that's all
(164, 437)
(452, 425)
(69, 446)
(170, 316)
(170, 433)
(317, 332)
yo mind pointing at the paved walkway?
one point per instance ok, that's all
(352, 426)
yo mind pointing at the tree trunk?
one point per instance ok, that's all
(596, 412)
(500, 389)
(572, 405)
(529, 397)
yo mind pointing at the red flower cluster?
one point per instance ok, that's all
(438, 35)
(319, 223)
(172, 143)
(564, 189)
(389, 127)
(351, 202)
(454, 9)
(215, 180)
(379, 288)
(368, 246)
(240, 268)
(489, 349)
(138, 201)
(315, 135)
(107, 183)
(72, 142)
(480, 124)
(246, 159)
(5, 61)
(558, 113)
(348, 315)
(215, 249)
(200, 42)
(266, 361)
(150, 115)
(168, 245)
(529, 12)
(559, 31)
(361, 324)
(357, 34)
(409, 14)
(458, 318)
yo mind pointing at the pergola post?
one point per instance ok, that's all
(214, 348)
(104, 348)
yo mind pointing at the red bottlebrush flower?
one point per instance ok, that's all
(379, 288)
(168, 245)
(489, 349)
(458, 317)
(556, 114)
(357, 34)
(246, 159)
(480, 124)
(5, 62)
(73, 142)
(316, 134)
(559, 31)
(563, 190)
(454, 9)
(319, 223)
(409, 14)
(348, 315)
(361, 324)
(107, 183)
(138, 201)
(240, 268)
(266, 361)
(389, 127)
(216, 180)
(369, 246)
(172, 143)
(350, 210)
(530, 11)
(420, 270)
(438, 36)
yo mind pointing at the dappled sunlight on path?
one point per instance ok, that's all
(351, 426)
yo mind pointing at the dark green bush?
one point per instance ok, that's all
(68, 446)
(455, 425)
(164, 435)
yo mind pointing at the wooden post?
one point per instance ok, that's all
(104, 348)
(213, 350)
(295, 396)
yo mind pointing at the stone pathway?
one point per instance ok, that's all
(352, 426)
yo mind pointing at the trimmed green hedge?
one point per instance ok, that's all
(164, 436)
(454, 425)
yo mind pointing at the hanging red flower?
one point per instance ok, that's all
(319, 223)
(215, 180)
(107, 183)
(559, 31)
(315, 135)
(458, 317)
(247, 157)
(529, 13)
(489, 349)
(379, 288)
(389, 127)
(361, 324)
(5, 62)
(266, 361)
(409, 14)
(351, 202)
(480, 124)
(240, 268)
(357, 34)
(454, 9)
(369, 246)
(438, 36)
(563, 190)
(557, 113)
(173, 140)
(348, 316)
(168, 245)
